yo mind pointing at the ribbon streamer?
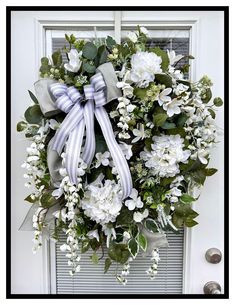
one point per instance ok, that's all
(80, 117)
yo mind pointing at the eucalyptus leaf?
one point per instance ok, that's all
(33, 97)
(110, 42)
(89, 51)
(33, 114)
(218, 102)
(21, 126)
(57, 58)
(88, 67)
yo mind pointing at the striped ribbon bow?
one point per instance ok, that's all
(80, 119)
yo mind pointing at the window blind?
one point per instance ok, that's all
(92, 280)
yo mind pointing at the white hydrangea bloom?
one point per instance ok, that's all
(102, 202)
(167, 152)
(144, 65)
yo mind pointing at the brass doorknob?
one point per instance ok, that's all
(212, 288)
(213, 255)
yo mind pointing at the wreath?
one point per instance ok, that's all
(120, 145)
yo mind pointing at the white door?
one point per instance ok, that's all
(35, 34)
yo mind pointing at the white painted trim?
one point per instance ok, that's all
(117, 25)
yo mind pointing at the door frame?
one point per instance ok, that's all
(41, 25)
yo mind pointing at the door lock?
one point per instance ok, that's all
(212, 288)
(213, 255)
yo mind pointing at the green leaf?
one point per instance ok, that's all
(142, 242)
(189, 222)
(110, 42)
(163, 55)
(21, 126)
(175, 131)
(218, 101)
(85, 246)
(44, 61)
(159, 119)
(164, 80)
(119, 253)
(102, 54)
(140, 93)
(33, 97)
(182, 118)
(57, 58)
(100, 144)
(133, 247)
(168, 125)
(177, 220)
(47, 200)
(88, 67)
(29, 199)
(95, 258)
(186, 198)
(212, 113)
(207, 96)
(151, 225)
(33, 114)
(210, 171)
(125, 217)
(107, 264)
(89, 51)
(135, 231)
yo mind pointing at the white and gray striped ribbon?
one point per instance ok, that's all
(79, 117)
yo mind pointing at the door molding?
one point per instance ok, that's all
(41, 26)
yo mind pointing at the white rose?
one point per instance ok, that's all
(132, 36)
(74, 61)
(144, 66)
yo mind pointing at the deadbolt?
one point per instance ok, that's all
(213, 255)
(212, 288)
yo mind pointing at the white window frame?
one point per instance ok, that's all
(41, 26)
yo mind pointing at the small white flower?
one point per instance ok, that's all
(94, 234)
(138, 216)
(102, 159)
(53, 124)
(173, 58)
(163, 96)
(144, 31)
(172, 107)
(132, 36)
(139, 133)
(64, 248)
(181, 88)
(130, 108)
(135, 201)
(74, 61)
(126, 149)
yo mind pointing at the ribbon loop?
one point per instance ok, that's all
(80, 118)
